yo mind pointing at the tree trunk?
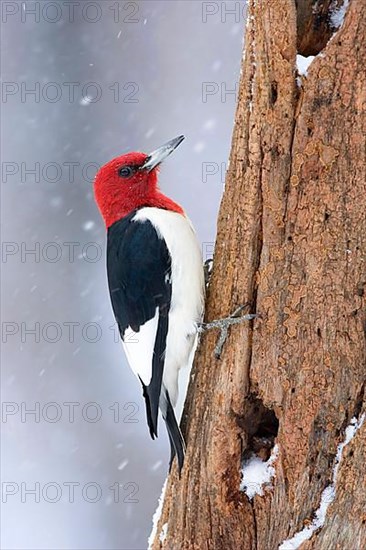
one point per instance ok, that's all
(291, 241)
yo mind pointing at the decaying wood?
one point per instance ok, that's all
(292, 242)
(315, 24)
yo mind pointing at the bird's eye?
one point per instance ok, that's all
(125, 171)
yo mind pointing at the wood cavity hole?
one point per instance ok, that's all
(261, 426)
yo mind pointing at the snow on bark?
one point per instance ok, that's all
(303, 63)
(157, 515)
(328, 494)
(257, 473)
(163, 533)
(337, 16)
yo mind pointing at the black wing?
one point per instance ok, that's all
(139, 279)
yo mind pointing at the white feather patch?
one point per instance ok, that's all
(139, 348)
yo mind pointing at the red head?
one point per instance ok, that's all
(130, 182)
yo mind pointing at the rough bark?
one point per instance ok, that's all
(291, 241)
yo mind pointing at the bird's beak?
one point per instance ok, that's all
(157, 156)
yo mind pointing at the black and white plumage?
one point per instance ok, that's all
(156, 284)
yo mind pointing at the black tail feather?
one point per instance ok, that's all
(152, 427)
(177, 445)
(172, 452)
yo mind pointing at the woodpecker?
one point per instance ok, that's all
(155, 278)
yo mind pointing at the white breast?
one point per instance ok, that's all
(187, 289)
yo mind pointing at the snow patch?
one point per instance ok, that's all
(87, 226)
(156, 516)
(235, 29)
(199, 147)
(164, 532)
(156, 466)
(56, 202)
(338, 14)
(303, 63)
(209, 124)
(123, 465)
(328, 495)
(108, 501)
(149, 133)
(86, 100)
(256, 473)
(250, 25)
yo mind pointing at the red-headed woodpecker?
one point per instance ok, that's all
(155, 277)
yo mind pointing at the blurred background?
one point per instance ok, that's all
(83, 82)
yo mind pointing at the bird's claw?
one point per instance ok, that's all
(224, 324)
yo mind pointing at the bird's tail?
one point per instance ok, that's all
(177, 445)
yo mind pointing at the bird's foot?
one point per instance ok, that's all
(224, 324)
